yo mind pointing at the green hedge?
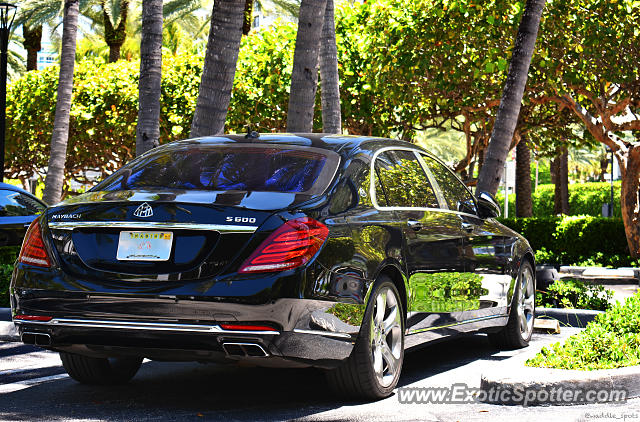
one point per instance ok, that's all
(8, 256)
(575, 240)
(584, 199)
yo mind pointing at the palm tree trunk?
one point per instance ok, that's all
(509, 109)
(524, 204)
(32, 43)
(115, 36)
(219, 68)
(148, 129)
(304, 76)
(60, 135)
(330, 88)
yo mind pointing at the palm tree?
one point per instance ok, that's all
(219, 68)
(114, 20)
(32, 43)
(330, 88)
(507, 117)
(60, 135)
(148, 129)
(304, 76)
(30, 16)
(524, 202)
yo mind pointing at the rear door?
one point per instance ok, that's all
(433, 241)
(483, 288)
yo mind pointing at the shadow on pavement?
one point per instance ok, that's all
(185, 391)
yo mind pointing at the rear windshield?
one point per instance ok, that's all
(266, 168)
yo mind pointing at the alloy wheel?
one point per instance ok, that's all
(526, 303)
(386, 336)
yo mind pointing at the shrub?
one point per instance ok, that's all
(571, 293)
(611, 340)
(579, 240)
(8, 256)
(584, 199)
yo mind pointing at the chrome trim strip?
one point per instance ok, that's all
(133, 325)
(153, 225)
(468, 321)
(322, 333)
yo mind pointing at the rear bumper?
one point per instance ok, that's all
(305, 332)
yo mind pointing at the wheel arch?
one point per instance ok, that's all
(399, 280)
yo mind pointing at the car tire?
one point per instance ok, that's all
(100, 371)
(373, 369)
(517, 333)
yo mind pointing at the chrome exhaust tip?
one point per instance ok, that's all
(244, 350)
(37, 339)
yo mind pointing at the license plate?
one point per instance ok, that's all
(144, 246)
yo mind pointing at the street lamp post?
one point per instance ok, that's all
(7, 14)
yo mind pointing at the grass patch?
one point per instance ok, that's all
(611, 340)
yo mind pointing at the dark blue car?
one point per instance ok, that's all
(18, 208)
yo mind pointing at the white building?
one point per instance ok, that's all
(47, 56)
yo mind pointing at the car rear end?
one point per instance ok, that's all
(196, 251)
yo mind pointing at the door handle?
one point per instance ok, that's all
(468, 227)
(415, 225)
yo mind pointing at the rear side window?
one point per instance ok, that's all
(14, 204)
(262, 168)
(455, 193)
(403, 181)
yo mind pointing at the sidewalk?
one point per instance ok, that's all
(8, 331)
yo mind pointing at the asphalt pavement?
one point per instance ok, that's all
(34, 387)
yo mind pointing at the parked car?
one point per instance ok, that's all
(287, 250)
(18, 208)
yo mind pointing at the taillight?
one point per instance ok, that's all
(293, 244)
(42, 318)
(33, 251)
(244, 327)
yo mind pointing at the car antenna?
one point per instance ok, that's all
(251, 134)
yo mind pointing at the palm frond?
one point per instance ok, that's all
(15, 65)
(290, 8)
(38, 12)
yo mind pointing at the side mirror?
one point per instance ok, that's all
(487, 205)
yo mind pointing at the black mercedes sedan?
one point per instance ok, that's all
(283, 250)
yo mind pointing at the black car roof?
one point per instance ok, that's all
(342, 144)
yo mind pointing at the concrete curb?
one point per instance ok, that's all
(572, 317)
(513, 383)
(527, 386)
(8, 331)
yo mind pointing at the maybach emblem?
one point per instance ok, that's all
(143, 210)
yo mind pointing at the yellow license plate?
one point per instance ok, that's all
(144, 246)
